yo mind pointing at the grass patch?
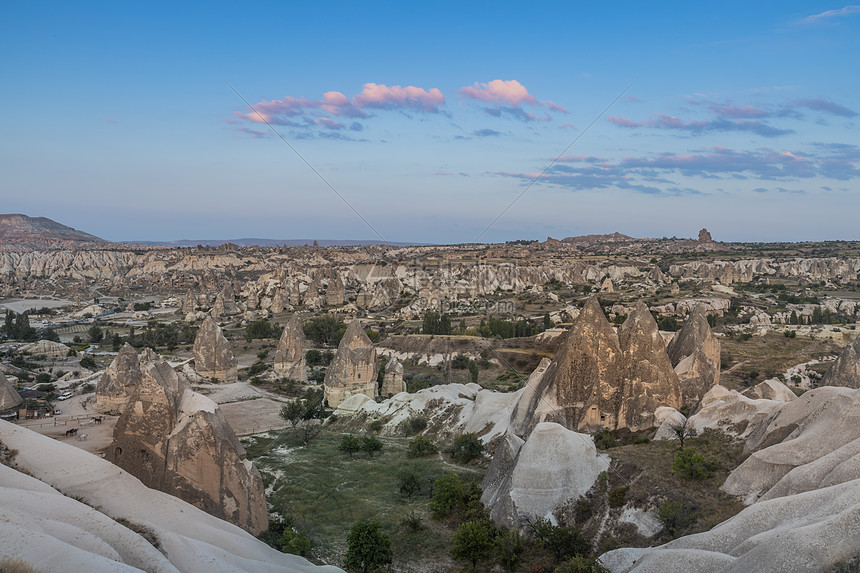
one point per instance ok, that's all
(768, 356)
(325, 492)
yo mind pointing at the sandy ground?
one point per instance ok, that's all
(76, 415)
(246, 416)
(254, 416)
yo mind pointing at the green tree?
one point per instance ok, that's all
(49, 334)
(563, 541)
(692, 465)
(367, 547)
(325, 330)
(473, 372)
(509, 547)
(581, 564)
(547, 322)
(420, 446)
(350, 444)
(370, 445)
(259, 329)
(466, 447)
(295, 542)
(89, 363)
(409, 481)
(96, 334)
(472, 542)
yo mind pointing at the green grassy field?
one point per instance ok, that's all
(326, 491)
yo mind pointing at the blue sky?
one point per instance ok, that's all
(431, 118)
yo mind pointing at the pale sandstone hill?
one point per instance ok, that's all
(73, 511)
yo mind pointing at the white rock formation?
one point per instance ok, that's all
(553, 466)
(73, 511)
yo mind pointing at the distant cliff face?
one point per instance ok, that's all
(23, 232)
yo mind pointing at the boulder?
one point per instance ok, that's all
(289, 356)
(353, 370)
(553, 466)
(846, 370)
(770, 390)
(119, 381)
(179, 442)
(9, 397)
(213, 355)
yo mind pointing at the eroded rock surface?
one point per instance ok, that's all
(179, 442)
(119, 381)
(9, 397)
(392, 379)
(353, 370)
(846, 370)
(289, 356)
(213, 355)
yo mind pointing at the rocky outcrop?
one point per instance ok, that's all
(553, 466)
(582, 387)
(289, 357)
(598, 380)
(811, 531)
(846, 370)
(46, 347)
(65, 509)
(770, 390)
(820, 423)
(189, 303)
(225, 303)
(119, 381)
(179, 442)
(9, 397)
(392, 379)
(649, 380)
(695, 354)
(705, 236)
(213, 355)
(353, 370)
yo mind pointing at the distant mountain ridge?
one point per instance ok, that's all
(23, 232)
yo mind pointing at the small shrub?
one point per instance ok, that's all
(472, 542)
(414, 425)
(412, 521)
(420, 446)
(88, 363)
(409, 481)
(617, 496)
(367, 547)
(642, 440)
(370, 445)
(581, 564)
(605, 439)
(693, 466)
(349, 444)
(466, 447)
(674, 515)
(295, 542)
(376, 426)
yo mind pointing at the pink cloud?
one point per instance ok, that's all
(633, 99)
(329, 123)
(509, 92)
(386, 97)
(554, 106)
(622, 121)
